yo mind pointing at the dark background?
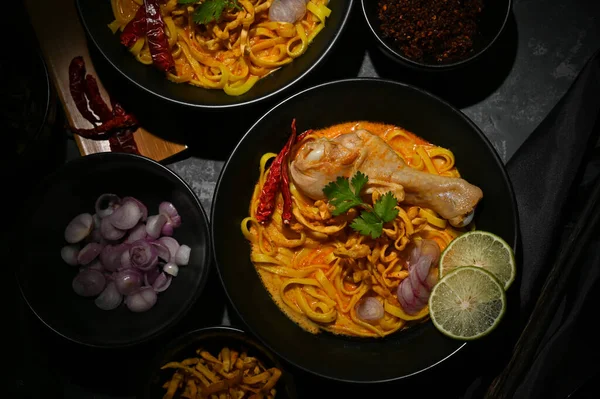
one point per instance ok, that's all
(507, 94)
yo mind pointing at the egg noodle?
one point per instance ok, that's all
(318, 268)
(233, 53)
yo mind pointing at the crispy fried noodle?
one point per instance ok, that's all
(318, 269)
(232, 52)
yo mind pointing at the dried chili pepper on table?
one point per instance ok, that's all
(77, 88)
(158, 43)
(434, 31)
(116, 125)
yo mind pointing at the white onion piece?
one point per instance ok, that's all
(162, 282)
(369, 309)
(110, 232)
(106, 204)
(182, 257)
(142, 300)
(138, 232)
(141, 205)
(110, 298)
(171, 268)
(128, 281)
(69, 253)
(89, 282)
(154, 225)
(287, 10)
(89, 253)
(79, 228)
(171, 243)
(126, 216)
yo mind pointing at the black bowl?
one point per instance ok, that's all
(212, 339)
(336, 357)
(493, 19)
(45, 279)
(95, 15)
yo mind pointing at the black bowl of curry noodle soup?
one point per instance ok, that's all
(302, 287)
(220, 351)
(111, 250)
(435, 35)
(210, 72)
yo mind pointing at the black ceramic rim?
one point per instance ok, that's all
(434, 67)
(48, 180)
(460, 114)
(277, 92)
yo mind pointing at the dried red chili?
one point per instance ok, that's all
(433, 31)
(117, 126)
(105, 130)
(96, 102)
(158, 43)
(266, 203)
(77, 85)
(135, 29)
(285, 178)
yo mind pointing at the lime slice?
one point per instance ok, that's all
(467, 303)
(483, 249)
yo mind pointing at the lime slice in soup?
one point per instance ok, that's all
(467, 303)
(482, 249)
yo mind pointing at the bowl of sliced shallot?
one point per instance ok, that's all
(116, 250)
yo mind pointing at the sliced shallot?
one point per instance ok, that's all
(162, 282)
(79, 228)
(89, 253)
(138, 232)
(111, 256)
(142, 300)
(143, 255)
(89, 282)
(126, 216)
(69, 253)
(171, 268)
(106, 204)
(141, 205)
(182, 257)
(173, 219)
(161, 250)
(287, 10)
(110, 232)
(171, 243)
(154, 225)
(128, 281)
(369, 309)
(110, 298)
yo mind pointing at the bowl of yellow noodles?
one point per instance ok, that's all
(333, 201)
(212, 54)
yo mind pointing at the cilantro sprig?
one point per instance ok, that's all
(210, 10)
(371, 219)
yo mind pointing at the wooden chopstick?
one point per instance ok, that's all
(506, 383)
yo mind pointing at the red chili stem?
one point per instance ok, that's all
(95, 99)
(77, 87)
(158, 42)
(135, 29)
(266, 203)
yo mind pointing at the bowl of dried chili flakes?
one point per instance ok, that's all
(436, 35)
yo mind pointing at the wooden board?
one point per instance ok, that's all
(61, 37)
